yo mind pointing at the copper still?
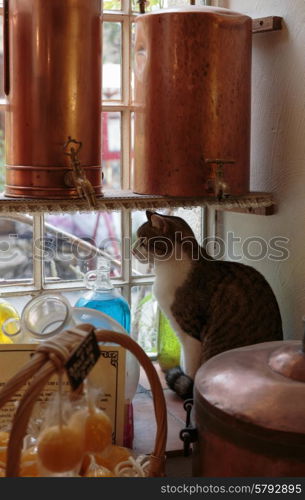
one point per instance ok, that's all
(192, 102)
(249, 408)
(52, 52)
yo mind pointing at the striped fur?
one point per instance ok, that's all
(212, 305)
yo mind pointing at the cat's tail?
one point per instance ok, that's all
(179, 382)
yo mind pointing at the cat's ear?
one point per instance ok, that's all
(149, 213)
(158, 222)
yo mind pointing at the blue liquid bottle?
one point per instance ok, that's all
(103, 297)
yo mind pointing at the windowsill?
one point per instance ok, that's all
(144, 418)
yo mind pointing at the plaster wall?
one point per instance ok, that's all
(277, 154)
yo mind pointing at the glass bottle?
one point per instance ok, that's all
(42, 317)
(103, 297)
(168, 345)
(7, 313)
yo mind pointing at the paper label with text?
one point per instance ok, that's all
(108, 375)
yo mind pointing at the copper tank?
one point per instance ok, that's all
(249, 410)
(192, 101)
(53, 84)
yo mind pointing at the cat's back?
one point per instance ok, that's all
(246, 281)
(241, 309)
(216, 275)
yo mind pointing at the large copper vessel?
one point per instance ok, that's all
(53, 84)
(192, 99)
(249, 409)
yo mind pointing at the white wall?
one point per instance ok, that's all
(278, 150)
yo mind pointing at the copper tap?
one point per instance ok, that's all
(216, 181)
(76, 176)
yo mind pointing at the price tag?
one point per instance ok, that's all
(82, 360)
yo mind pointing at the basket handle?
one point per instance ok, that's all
(51, 361)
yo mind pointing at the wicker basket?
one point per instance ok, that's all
(51, 357)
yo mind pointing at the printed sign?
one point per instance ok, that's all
(107, 376)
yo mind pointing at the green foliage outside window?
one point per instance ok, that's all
(112, 5)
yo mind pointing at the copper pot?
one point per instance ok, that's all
(192, 98)
(249, 409)
(53, 84)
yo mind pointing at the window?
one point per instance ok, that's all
(53, 251)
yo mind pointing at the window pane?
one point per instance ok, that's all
(133, 36)
(112, 5)
(193, 217)
(144, 318)
(137, 219)
(2, 151)
(160, 4)
(16, 250)
(112, 150)
(132, 149)
(71, 241)
(112, 61)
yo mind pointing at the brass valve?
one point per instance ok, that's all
(216, 182)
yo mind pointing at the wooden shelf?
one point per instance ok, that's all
(265, 24)
(254, 203)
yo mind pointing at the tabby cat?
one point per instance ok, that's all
(212, 305)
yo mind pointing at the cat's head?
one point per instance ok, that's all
(161, 237)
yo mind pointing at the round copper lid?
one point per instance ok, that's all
(263, 385)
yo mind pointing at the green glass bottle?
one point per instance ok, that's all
(168, 345)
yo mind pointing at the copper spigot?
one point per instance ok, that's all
(216, 182)
(77, 176)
